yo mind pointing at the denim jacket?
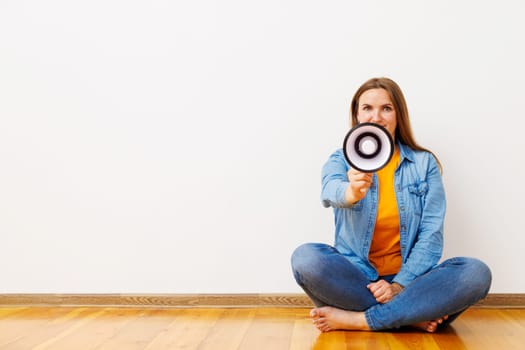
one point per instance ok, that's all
(421, 204)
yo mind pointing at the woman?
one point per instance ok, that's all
(383, 271)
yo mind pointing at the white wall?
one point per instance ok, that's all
(175, 147)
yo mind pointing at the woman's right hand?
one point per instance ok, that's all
(359, 184)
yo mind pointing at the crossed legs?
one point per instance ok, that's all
(338, 289)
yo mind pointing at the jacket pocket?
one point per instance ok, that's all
(417, 193)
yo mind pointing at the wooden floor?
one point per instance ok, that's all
(223, 329)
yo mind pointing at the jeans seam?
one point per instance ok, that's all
(369, 320)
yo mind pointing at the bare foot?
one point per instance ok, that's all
(430, 326)
(329, 318)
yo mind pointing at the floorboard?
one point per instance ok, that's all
(248, 328)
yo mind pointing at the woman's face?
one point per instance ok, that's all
(375, 106)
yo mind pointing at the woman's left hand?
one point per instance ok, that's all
(384, 291)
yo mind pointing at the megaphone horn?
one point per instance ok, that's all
(368, 147)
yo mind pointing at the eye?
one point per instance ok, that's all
(366, 108)
(387, 109)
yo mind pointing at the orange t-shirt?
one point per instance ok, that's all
(385, 252)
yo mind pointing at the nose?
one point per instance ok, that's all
(375, 116)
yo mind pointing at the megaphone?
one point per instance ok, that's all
(368, 147)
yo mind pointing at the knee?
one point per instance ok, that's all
(477, 276)
(303, 257)
(306, 261)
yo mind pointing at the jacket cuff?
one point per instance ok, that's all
(340, 195)
(404, 277)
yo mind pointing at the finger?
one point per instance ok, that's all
(360, 187)
(382, 299)
(356, 172)
(372, 287)
(360, 177)
(356, 175)
(375, 285)
(378, 290)
(383, 293)
(360, 183)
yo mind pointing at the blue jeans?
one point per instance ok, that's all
(328, 278)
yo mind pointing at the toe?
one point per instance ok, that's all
(325, 328)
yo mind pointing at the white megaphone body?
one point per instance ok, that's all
(368, 147)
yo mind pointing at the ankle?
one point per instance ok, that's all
(361, 323)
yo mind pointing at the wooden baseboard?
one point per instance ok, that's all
(203, 300)
(503, 300)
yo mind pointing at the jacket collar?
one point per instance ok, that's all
(405, 152)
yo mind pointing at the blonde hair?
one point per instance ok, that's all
(403, 132)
